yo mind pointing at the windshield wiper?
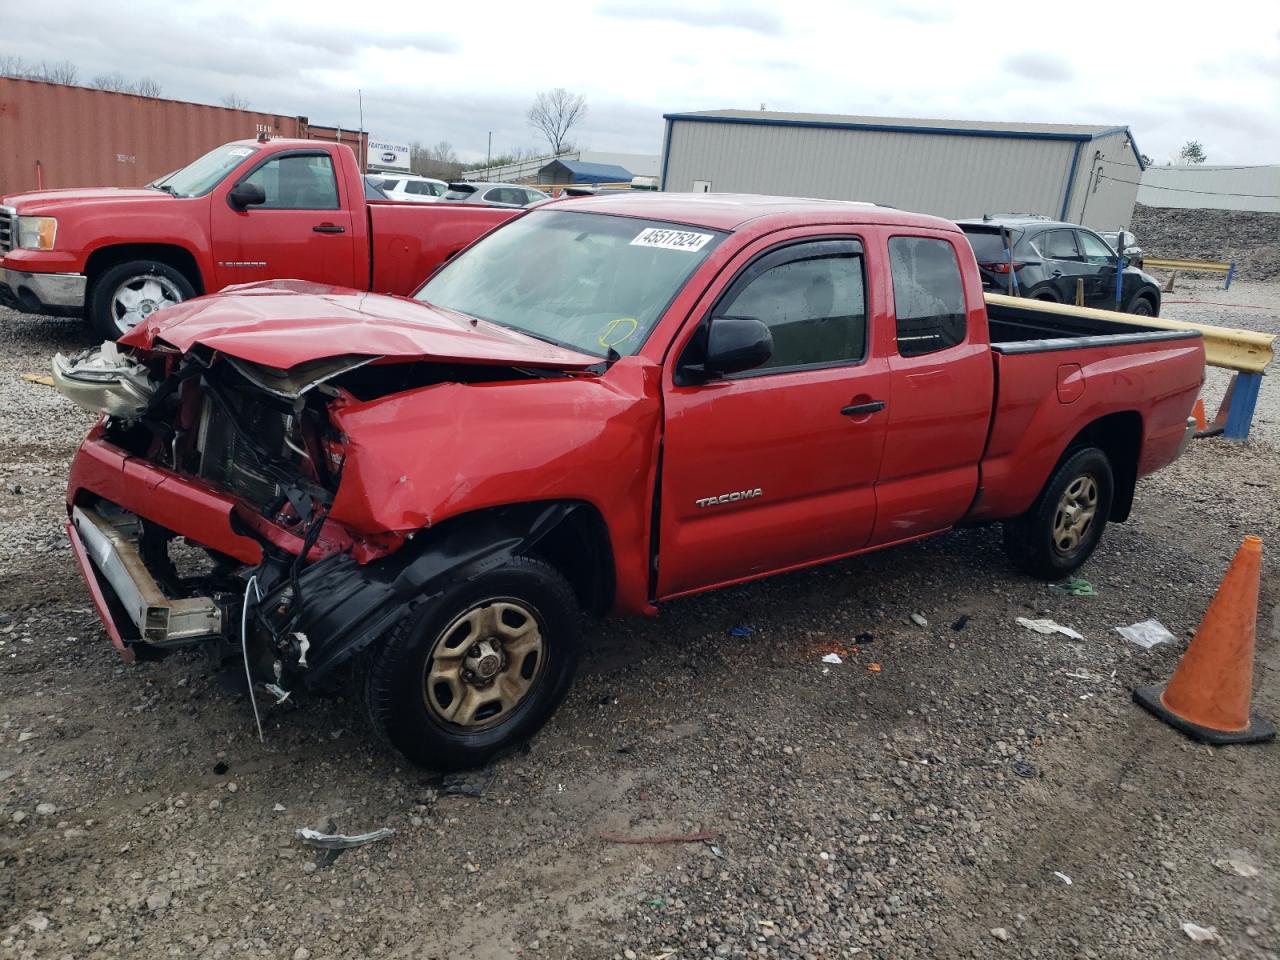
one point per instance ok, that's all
(165, 187)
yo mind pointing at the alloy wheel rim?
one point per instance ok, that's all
(484, 664)
(139, 297)
(1075, 514)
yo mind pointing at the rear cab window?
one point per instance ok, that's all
(928, 295)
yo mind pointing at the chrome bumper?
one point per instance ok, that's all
(32, 291)
(112, 547)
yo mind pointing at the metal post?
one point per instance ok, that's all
(488, 154)
(1119, 276)
(1231, 272)
(362, 148)
(1240, 416)
(1008, 254)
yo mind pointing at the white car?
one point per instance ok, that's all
(410, 187)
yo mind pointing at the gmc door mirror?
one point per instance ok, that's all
(245, 195)
(735, 344)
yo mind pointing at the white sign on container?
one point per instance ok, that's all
(386, 155)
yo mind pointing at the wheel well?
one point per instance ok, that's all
(1119, 436)
(571, 535)
(1150, 294)
(104, 258)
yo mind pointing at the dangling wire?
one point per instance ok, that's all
(244, 647)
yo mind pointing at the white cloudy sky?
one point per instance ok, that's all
(454, 71)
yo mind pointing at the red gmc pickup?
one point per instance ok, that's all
(605, 404)
(246, 211)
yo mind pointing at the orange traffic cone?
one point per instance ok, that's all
(1198, 413)
(1208, 697)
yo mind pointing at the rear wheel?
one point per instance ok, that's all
(1142, 307)
(1062, 528)
(128, 293)
(479, 669)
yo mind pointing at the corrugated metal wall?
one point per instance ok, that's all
(1212, 188)
(949, 176)
(53, 135)
(946, 175)
(1106, 183)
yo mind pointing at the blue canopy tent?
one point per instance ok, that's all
(564, 171)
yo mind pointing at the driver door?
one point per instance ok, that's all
(775, 467)
(302, 232)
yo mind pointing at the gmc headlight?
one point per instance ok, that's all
(37, 233)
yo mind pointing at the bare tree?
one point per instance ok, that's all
(440, 161)
(116, 82)
(148, 87)
(235, 101)
(63, 71)
(15, 66)
(554, 113)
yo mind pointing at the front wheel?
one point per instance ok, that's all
(479, 669)
(1062, 528)
(128, 293)
(1142, 307)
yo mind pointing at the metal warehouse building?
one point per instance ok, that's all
(951, 168)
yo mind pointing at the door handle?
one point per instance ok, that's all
(860, 409)
(328, 228)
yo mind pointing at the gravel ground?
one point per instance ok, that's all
(925, 798)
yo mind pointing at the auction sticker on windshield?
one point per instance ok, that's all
(671, 239)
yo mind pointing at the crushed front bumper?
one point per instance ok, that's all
(106, 546)
(42, 292)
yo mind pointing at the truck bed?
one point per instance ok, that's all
(1056, 372)
(409, 240)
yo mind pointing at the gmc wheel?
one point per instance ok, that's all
(1062, 528)
(477, 670)
(126, 294)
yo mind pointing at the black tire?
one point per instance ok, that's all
(1031, 540)
(104, 308)
(395, 682)
(1142, 306)
(1045, 296)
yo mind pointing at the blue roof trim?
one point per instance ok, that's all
(881, 127)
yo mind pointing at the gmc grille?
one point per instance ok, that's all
(8, 229)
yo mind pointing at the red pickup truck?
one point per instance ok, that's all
(606, 404)
(247, 211)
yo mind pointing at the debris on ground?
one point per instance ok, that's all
(1047, 626)
(873, 667)
(1024, 769)
(1146, 633)
(700, 837)
(1063, 877)
(1200, 934)
(469, 783)
(1240, 867)
(961, 623)
(832, 658)
(919, 620)
(741, 630)
(39, 378)
(1076, 587)
(1000, 933)
(341, 841)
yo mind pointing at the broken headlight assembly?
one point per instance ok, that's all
(104, 380)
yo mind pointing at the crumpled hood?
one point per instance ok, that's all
(51, 201)
(284, 323)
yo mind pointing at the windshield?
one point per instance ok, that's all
(585, 281)
(198, 178)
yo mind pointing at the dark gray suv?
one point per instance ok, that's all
(1049, 257)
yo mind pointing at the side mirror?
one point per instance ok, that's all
(244, 195)
(735, 344)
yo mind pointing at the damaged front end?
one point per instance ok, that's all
(199, 511)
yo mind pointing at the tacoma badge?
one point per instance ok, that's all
(730, 497)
